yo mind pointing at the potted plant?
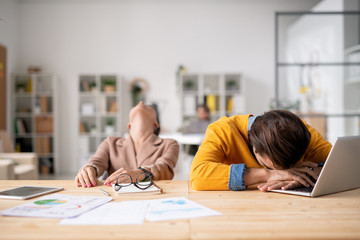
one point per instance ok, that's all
(109, 84)
(231, 85)
(189, 85)
(20, 87)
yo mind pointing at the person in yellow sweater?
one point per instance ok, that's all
(275, 150)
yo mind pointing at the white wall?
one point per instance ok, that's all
(149, 39)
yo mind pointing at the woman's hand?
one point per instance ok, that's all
(86, 177)
(297, 176)
(113, 177)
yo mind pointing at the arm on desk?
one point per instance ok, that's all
(269, 179)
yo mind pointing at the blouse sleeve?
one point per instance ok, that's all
(100, 160)
(163, 168)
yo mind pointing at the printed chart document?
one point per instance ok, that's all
(57, 206)
(114, 213)
(177, 208)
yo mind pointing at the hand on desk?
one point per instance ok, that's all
(304, 174)
(113, 177)
(86, 177)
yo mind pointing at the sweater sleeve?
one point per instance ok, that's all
(209, 169)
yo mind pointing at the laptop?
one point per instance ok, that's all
(341, 171)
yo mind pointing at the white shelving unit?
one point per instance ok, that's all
(101, 111)
(34, 118)
(224, 94)
(352, 90)
(317, 71)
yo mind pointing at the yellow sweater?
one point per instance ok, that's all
(226, 143)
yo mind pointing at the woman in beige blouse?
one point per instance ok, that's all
(142, 149)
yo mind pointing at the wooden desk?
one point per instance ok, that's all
(247, 215)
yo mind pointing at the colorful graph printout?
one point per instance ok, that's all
(57, 206)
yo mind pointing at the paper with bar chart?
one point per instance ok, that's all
(177, 208)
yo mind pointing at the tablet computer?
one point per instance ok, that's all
(26, 192)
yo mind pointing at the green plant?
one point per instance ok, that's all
(189, 84)
(285, 105)
(110, 122)
(231, 85)
(20, 86)
(109, 81)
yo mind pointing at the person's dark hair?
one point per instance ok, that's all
(205, 107)
(281, 136)
(155, 107)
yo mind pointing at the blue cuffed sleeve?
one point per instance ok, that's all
(236, 178)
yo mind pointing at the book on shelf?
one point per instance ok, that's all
(83, 127)
(85, 86)
(211, 102)
(20, 126)
(43, 102)
(230, 105)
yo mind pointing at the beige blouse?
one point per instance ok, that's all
(160, 155)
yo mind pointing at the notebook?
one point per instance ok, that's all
(341, 171)
(132, 189)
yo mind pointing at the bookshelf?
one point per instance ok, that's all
(224, 94)
(102, 112)
(34, 117)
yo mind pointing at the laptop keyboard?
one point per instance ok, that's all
(303, 189)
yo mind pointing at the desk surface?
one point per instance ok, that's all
(248, 214)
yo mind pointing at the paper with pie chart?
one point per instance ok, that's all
(57, 206)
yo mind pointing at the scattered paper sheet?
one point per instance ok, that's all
(115, 213)
(57, 206)
(177, 208)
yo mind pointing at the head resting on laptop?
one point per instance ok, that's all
(279, 139)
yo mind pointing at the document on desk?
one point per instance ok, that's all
(114, 213)
(57, 206)
(177, 208)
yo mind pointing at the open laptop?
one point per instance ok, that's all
(341, 171)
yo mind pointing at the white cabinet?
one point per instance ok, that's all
(352, 90)
(34, 117)
(223, 93)
(317, 69)
(101, 111)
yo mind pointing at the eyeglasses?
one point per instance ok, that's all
(143, 181)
